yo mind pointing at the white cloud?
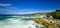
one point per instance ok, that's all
(9, 9)
(5, 5)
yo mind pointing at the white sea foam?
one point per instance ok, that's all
(17, 23)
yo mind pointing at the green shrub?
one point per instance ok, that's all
(56, 14)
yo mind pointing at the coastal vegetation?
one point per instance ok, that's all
(56, 14)
(52, 20)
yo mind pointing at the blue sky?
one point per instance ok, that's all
(28, 6)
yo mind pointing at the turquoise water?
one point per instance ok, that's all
(16, 22)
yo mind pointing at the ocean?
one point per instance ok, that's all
(14, 21)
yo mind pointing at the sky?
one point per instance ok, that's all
(28, 6)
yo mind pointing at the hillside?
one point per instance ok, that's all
(56, 14)
(50, 21)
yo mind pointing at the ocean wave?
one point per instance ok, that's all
(16, 23)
